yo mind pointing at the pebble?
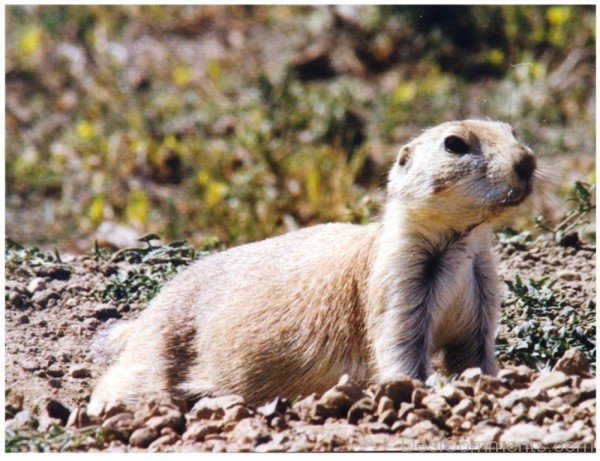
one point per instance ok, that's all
(105, 312)
(236, 414)
(119, 425)
(143, 437)
(385, 403)
(549, 380)
(568, 275)
(487, 434)
(37, 284)
(43, 298)
(437, 405)
(398, 389)
(359, 409)
(275, 407)
(197, 432)
(560, 436)
(79, 371)
(471, 375)
(452, 394)
(422, 430)
(172, 419)
(573, 362)
(523, 433)
(388, 417)
(463, 407)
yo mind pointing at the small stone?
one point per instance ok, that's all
(275, 407)
(54, 371)
(376, 428)
(490, 385)
(306, 407)
(398, 427)
(17, 287)
(568, 275)
(120, 425)
(452, 394)
(162, 441)
(278, 422)
(13, 403)
(23, 319)
(105, 312)
(385, 404)
(53, 271)
(471, 375)
(206, 408)
(424, 414)
(37, 284)
(342, 395)
(423, 429)
(525, 396)
(79, 371)
(573, 362)
(172, 419)
(251, 430)
(236, 414)
(463, 407)
(197, 432)
(561, 436)
(79, 418)
(17, 300)
(359, 409)
(42, 298)
(388, 417)
(524, 433)
(114, 408)
(417, 396)
(549, 380)
(398, 388)
(19, 421)
(438, 406)
(487, 434)
(143, 437)
(454, 422)
(405, 409)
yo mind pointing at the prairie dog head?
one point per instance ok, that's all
(462, 173)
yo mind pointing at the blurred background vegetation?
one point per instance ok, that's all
(244, 122)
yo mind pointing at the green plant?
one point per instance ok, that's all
(534, 336)
(151, 267)
(509, 237)
(582, 194)
(16, 255)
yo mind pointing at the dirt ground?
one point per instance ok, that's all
(54, 309)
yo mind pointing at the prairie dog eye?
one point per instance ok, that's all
(456, 145)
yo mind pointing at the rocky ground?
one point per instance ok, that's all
(544, 396)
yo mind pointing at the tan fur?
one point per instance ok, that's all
(288, 315)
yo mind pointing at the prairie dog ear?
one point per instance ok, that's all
(404, 155)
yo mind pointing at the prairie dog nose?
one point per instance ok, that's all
(525, 165)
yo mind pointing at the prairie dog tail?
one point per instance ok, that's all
(110, 342)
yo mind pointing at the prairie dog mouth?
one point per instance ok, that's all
(514, 198)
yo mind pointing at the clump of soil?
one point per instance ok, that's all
(56, 304)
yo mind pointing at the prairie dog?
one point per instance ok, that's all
(287, 316)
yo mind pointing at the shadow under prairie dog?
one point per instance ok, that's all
(288, 315)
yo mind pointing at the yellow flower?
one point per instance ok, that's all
(181, 75)
(30, 41)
